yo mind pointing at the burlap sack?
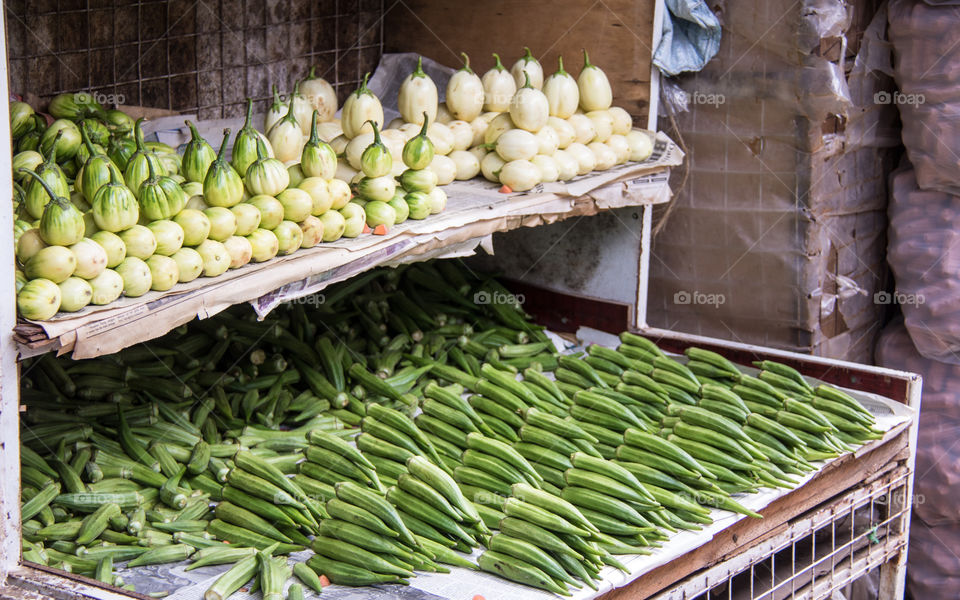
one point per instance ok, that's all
(934, 558)
(924, 254)
(927, 70)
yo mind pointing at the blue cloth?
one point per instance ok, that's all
(691, 37)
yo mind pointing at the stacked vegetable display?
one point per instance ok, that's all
(101, 213)
(516, 128)
(138, 217)
(398, 427)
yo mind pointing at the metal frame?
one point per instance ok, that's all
(643, 280)
(9, 370)
(794, 562)
(63, 586)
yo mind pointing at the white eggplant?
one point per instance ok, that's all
(164, 272)
(548, 141)
(567, 166)
(529, 108)
(595, 92)
(329, 130)
(529, 65)
(479, 128)
(339, 144)
(583, 127)
(445, 169)
(602, 123)
(441, 136)
(286, 137)
(418, 95)
(409, 130)
(394, 140)
(376, 188)
(520, 175)
(620, 147)
(563, 95)
(586, 159)
(276, 111)
(361, 106)
(317, 159)
(566, 135)
(517, 144)
(376, 160)
(438, 200)
(479, 152)
(107, 287)
(497, 126)
(320, 94)
(622, 121)
(443, 114)
(302, 109)
(136, 275)
(498, 88)
(641, 145)
(189, 266)
(462, 134)
(490, 166)
(340, 192)
(419, 150)
(467, 163)
(240, 250)
(319, 191)
(354, 150)
(344, 172)
(465, 93)
(548, 168)
(605, 156)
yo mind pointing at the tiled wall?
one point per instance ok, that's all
(203, 56)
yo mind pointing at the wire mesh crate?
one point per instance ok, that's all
(203, 57)
(818, 553)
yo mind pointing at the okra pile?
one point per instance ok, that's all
(393, 425)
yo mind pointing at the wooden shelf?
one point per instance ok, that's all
(475, 210)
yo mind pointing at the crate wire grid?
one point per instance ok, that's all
(204, 57)
(821, 551)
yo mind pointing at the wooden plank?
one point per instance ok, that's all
(604, 315)
(59, 585)
(564, 313)
(833, 373)
(840, 475)
(618, 34)
(154, 314)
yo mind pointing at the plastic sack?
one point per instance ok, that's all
(924, 254)
(937, 475)
(927, 70)
(691, 37)
(933, 570)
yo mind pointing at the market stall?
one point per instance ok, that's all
(336, 399)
